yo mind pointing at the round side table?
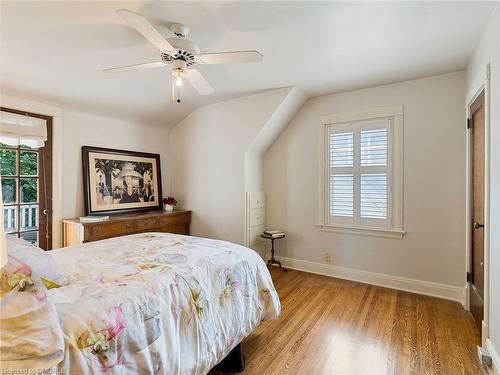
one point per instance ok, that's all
(272, 238)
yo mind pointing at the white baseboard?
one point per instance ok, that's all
(484, 331)
(495, 369)
(449, 292)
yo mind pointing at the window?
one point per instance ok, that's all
(20, 182)
(361, 172)
(25, 193)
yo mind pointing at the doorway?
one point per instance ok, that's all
(476, 271)
(27, 188)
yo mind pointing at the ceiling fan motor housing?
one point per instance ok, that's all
(179, 30)
(185, 50)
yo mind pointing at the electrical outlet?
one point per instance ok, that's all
(328, 257)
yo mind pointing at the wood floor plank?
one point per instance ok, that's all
(330, 326)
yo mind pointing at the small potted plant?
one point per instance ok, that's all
(169, 203)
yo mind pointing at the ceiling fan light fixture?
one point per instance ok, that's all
(176, 92)
(178, 73)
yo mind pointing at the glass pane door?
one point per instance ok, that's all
(19, 168)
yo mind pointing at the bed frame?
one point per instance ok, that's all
(233, 362)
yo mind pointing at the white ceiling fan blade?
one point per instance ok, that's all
(229, 57)
(147, 30)
(149, 65)
(199, 82)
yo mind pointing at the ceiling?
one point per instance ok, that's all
(56, 50)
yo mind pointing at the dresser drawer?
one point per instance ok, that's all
(172, 220)
(145, 225)
(112, 229)
(257, 199)
(181, 228)
(257, 216)
(255, 233)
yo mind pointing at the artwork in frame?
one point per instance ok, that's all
(116, 181)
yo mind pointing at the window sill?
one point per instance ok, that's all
(378, 232)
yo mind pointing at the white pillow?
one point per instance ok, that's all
(39, 260)
(30, 333)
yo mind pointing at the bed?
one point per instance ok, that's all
(158, 303)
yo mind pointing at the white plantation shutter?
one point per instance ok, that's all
(342, 149)
(374, 195)
(373, 144)
(342, 195)
(373, 186)
(359, 173)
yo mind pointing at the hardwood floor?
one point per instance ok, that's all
(332, 326)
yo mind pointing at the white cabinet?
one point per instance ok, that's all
(257, 200)
(255, 233)
(257, 216)
(255, 219)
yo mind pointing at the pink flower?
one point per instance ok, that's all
(20, 267)
(115, 322)
(105, 367)
(40, 295)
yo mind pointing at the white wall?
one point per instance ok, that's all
(82, 129)
(277, 122)
(434, 184)
(488, 51)
(207, 155)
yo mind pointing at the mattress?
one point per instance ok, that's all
(158, 303)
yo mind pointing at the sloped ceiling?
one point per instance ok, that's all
(56, 50)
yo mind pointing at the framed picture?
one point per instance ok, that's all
(117, 181)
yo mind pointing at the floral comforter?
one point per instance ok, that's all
(159, 303)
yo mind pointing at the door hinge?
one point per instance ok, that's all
(468, 277)
(468, 123)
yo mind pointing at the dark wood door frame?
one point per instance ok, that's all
(478, 209)
(45, 181)
(476, 278)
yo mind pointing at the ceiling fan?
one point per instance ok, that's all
(181, 53)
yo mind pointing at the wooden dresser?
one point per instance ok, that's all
(75, 233)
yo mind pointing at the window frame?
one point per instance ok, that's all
(18, 205)
(44, 183)
(341, 122)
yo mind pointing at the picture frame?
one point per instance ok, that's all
(119, 181)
